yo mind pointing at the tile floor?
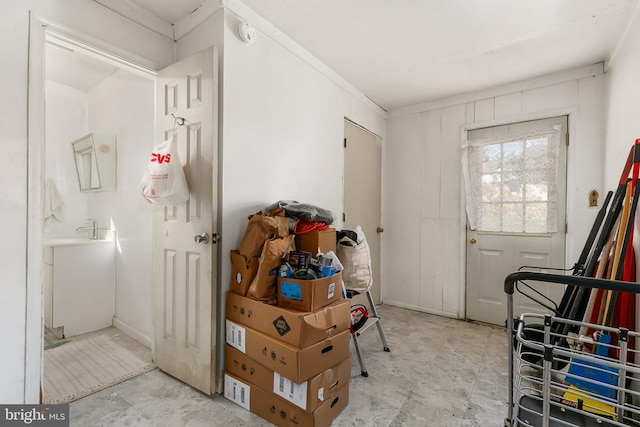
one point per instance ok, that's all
(440, 372)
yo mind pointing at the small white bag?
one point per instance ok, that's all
(164, 182)
(356, 259)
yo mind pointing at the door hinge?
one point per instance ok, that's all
(345, 143)
(566, 227)
(567, 139)
(344, 217)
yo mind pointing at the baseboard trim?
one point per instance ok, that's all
(422, 309)
(133, 333)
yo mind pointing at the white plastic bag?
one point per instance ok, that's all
(356, 259)
(164, 182)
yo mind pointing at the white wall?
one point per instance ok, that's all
(282, 128)
(283, 131)
(423, 199)
(623, 113)
(123, 105)
(623, 108)
(130, 40)
(66, 121)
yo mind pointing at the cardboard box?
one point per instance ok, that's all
(242, 273)
(308, 395)
(311, 241)
(291, 326)
(309, 295)
(292, 362)
(277, 410)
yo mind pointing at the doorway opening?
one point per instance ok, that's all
(97, 287)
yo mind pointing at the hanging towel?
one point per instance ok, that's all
(52, 202)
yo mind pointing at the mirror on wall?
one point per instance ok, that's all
(95, 157)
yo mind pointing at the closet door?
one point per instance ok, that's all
(362, 192)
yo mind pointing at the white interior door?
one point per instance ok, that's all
(362, 191)
(514, 199)
(185, 295)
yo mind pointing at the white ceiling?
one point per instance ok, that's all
(169, 10)
(69, 67)
(404, 52)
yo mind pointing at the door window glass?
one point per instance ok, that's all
(510, 180)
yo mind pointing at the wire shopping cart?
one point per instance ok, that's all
(561, 378)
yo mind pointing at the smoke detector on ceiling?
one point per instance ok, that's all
(247, 32)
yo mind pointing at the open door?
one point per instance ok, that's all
(185, 235)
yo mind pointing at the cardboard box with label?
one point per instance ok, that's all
(309, 295)
(291, 326)
(279, 411)
(243, 271)
(308, 395)
(311, 241)
(292, 362)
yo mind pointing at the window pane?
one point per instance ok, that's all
(537, 192)
(513, 189)
(541, 145)
(536, 214)
(537, 154)
(513, 221)
(491, 188)
(513, 155)
(490, 219)
(491, 158)
(513, 179)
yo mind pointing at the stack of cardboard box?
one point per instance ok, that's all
(289, 363)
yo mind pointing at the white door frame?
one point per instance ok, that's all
(34, 328)
(39, 29)
(546, 114)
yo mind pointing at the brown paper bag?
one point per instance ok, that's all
(260, 229)
(263, 287)
(242, 272)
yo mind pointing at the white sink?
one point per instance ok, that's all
(70, 241)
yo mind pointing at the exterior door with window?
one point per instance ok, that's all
(515, 184)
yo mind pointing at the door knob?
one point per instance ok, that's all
(201, 238)
(472, 241)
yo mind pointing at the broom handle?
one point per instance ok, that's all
(600, 320)
(569, 296)
(600, 273)
(614, 211)
(627, 238)
(578, 268)
(578, 299)
(621, 245)
(628, 257)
